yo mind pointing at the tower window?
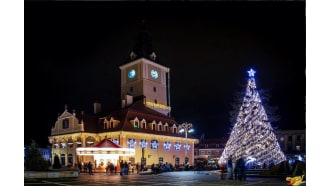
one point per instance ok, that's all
(156, 101)
(154, 89)
(131, 89)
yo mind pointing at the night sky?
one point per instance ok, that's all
(73, 50)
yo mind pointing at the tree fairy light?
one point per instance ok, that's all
(252, 136)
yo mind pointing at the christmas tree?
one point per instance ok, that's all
(252, 136)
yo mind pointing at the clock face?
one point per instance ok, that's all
(131, 74)
(154, 74)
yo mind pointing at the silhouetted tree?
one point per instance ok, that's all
(56, 164)
(34, 160)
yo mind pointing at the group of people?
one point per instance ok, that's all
(109, 168)
(124, 167)
(235, 169)
(86, 167)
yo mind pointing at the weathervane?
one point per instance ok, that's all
(251, 72)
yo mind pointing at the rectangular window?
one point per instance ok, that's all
(298, 138)
(65, 123)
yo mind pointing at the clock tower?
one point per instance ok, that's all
(143, 77)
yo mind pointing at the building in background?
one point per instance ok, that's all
(143, 122)
(46, 153)
(293, 144)
(208, 151)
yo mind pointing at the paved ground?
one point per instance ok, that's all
(171, 178)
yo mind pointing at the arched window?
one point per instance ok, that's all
(90, 141)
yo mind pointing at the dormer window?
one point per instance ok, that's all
(136, 124)
(65, 123)
(166, 127)
(153, 126)
(144, 124)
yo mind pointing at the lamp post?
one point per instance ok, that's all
(186, 127)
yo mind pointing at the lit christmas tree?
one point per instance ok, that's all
(252, 136)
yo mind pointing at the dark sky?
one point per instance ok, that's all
(73, 50)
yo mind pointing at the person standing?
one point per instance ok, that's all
(121, 167)
(137, 168)
(229, 169)
(241, 169)
(222, 171)
(90, 168)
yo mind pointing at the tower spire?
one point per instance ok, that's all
(143, 45)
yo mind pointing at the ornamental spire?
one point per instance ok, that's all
(143, 45)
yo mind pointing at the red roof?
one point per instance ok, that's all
(106, 143)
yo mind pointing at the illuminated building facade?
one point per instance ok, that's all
(142, 124)
(293, 144)
(210, 148)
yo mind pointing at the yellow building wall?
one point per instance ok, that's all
(151, 155)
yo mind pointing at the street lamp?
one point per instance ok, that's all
(186, 127)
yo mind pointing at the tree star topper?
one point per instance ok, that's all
(251, 72)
